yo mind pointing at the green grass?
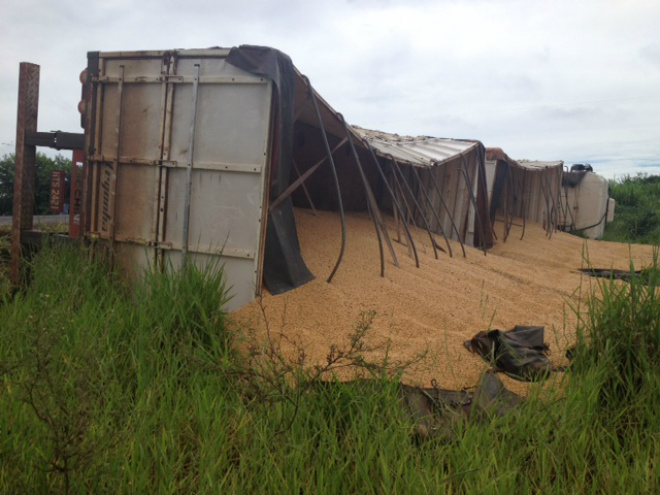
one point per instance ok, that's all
(111, 390)
(5, 256)
(637, 214)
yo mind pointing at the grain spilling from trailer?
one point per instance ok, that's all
(201, 155)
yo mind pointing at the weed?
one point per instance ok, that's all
(619, 339)
(106, 389)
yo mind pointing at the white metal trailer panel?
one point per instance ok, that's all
(181, 163)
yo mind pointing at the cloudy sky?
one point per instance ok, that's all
(571, 80)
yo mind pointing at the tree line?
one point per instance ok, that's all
(637, 213)
(44, 166)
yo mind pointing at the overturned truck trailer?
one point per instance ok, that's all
(198, 156)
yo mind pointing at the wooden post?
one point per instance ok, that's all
(25, 170)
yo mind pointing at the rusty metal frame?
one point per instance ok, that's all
(27, 140)
(25, 165)
(160, 190)
(57, 139)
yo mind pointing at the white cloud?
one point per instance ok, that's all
(547, 80)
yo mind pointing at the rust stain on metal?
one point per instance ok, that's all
(28, 109)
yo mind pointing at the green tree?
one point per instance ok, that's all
(44, 166)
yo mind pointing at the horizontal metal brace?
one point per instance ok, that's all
(194, 53)
(56, 139)
(227, 167)
(176, 246)
(174, 79)
(123, 159)
(218, 79)
(215, 251)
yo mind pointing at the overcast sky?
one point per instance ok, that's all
(571, 80)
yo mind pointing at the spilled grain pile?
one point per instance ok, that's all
(438, 306)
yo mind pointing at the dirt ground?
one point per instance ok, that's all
(433, 309)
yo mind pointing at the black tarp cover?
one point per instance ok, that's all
(519, 352)
(284, 268)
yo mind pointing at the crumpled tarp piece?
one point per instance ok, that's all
(519, 352)
(436, 413)
(440, 413)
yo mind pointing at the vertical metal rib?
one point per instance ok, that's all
(514, 202)
(191, 154)
(371, 201)
(397, 207)
(524, 206)
(552, 213)
(405, 224)
(509, 204)
(473, 200)
(435, 213)
(434, 182)
(548, 205)
(417, 205)
(168, 68)
(115, 171)
(334, 174)
(373, 214)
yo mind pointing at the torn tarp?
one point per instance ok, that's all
(437, 413)
(519, 352)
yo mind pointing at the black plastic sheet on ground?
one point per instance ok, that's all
(437, 413)
(644, 276)
(440, 413)
(520, 352)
